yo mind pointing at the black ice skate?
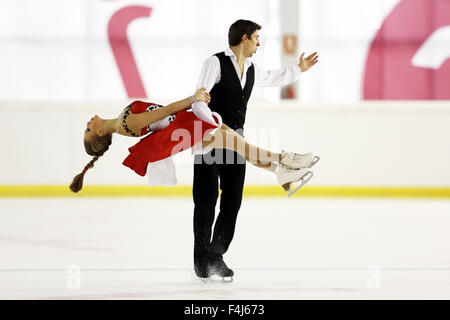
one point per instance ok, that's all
(219, 268)
(202, 270)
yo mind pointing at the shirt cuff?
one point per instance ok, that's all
(295, 72)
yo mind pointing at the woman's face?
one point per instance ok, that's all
(92, 127)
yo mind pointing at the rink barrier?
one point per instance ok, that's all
(27, 191)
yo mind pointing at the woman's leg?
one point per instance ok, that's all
(226, 138)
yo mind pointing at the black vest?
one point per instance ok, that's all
(227, 97)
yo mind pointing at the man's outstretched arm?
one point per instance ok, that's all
(284, 76)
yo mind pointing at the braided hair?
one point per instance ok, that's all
(96, 147)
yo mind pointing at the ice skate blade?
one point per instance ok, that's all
(227, 279)
(303, 181)
(203, 280)
(315, 160)
(215, 278)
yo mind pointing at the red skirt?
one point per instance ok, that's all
(185, 131)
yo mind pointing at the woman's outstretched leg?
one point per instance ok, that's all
(226, 138)
(289, 167)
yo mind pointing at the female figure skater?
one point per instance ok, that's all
(163, 125)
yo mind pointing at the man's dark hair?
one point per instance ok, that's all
(239, 28)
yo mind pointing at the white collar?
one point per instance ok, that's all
(230, 53)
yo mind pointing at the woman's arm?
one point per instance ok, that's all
(138, 121)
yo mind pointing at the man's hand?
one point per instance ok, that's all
(308, 62)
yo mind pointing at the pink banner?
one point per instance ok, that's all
(389, 71)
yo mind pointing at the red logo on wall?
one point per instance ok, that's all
(289, 44)
(392, 71)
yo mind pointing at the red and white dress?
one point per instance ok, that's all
(152, 155)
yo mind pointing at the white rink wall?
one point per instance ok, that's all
(360, 144)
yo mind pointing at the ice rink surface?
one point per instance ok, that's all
(301, 248)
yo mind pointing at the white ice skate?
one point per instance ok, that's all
(286, 176)
(298, 161)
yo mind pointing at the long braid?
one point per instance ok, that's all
(77, 182)
(91, 163)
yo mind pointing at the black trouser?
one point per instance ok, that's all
(205, 192)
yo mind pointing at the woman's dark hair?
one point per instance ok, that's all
(96, 147)
(239, 28)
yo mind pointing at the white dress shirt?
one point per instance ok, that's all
(210, 75)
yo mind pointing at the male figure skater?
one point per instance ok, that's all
(229, 76)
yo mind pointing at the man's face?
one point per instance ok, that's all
(251, 45)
